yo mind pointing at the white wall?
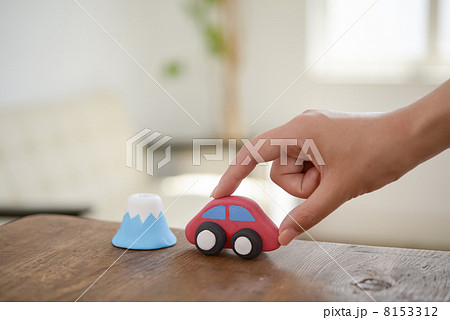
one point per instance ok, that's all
(52, 48)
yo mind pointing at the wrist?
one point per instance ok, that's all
(428, 124)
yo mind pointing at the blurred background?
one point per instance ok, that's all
(76, 83)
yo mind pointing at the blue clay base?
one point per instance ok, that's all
(157, 237)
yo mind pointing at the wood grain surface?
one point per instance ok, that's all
(56, 258)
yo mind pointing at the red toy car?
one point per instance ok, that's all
(233, 222)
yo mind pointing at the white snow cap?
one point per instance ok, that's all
(144, 204)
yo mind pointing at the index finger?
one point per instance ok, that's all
(246, 161)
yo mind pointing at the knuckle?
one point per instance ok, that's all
(310, 112)
(314, 114)
(309, 117)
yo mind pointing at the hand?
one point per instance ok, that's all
(362, 153)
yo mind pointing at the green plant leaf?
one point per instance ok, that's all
(215, 39)
(173, 69)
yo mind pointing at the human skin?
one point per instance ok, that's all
(362, 152)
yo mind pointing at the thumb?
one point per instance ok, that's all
(323, 201)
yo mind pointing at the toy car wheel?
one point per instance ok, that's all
(246, 243)
(210, 238)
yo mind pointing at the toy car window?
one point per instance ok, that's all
(238, 213)
(215, 213)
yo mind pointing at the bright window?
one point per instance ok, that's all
(443, 29)
(394, 41)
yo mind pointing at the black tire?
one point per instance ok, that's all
(219, 233)
(254, 239)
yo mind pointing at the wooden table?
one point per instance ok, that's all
(56, 258)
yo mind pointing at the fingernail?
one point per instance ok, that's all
(287, 236)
